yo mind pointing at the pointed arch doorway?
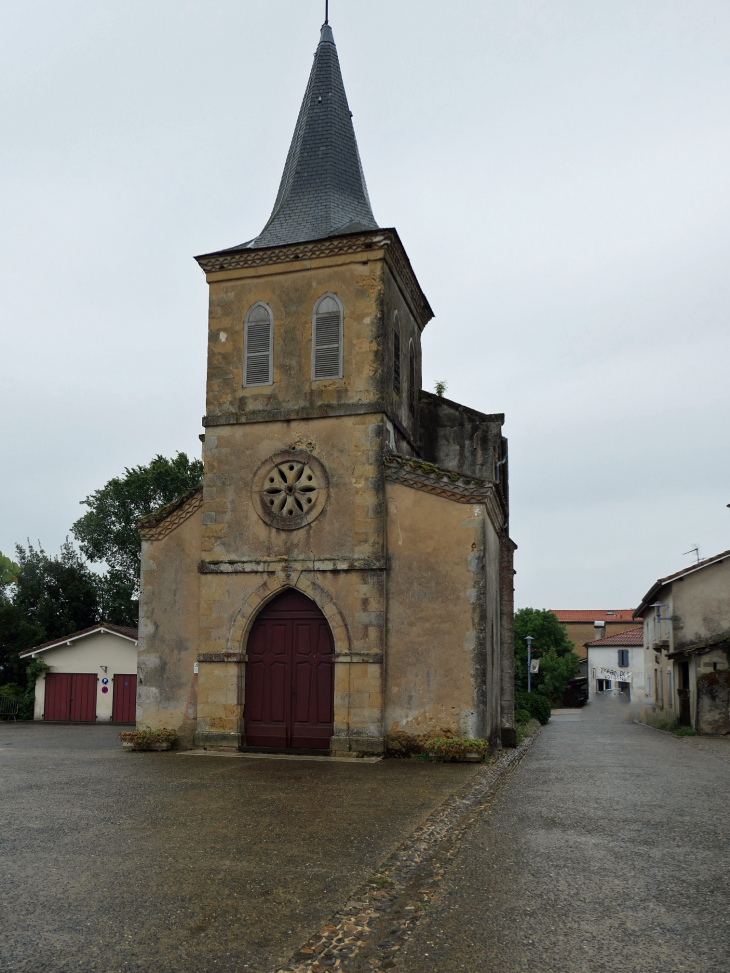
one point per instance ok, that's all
(289, 695)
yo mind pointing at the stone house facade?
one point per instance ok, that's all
(342, 580)
(687, 645)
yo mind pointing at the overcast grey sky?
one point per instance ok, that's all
(558, 172)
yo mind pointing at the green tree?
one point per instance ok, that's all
(109, 532)
(8, 570)
(57, 595)
(49, 598)
(551, 645)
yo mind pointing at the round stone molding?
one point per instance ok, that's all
(290, 490)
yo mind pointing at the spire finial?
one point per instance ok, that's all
(326, 12)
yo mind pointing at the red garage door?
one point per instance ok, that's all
(290, 676)
(58, 696)
(70, 697)
(124, 703)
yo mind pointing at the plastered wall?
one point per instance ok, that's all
(168, 630)
(442, 619)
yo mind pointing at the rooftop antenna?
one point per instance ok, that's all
(326, 12)
(694, 550)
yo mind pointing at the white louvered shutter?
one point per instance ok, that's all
(327, 340)
(258, 347)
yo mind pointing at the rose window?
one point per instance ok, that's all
(290, 490)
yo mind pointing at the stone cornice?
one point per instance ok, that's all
(162, 522)
(449, 484)
(274, 564)
(286, 415)
(387, 240)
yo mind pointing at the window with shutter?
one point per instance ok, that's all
(327, 338)
(623, 658)
(412, 379)
(396, 354)
(258, 346)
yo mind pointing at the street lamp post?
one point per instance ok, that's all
(529, 652)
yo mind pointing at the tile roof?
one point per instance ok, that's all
(632, 636)
(655, 588)
(594, 615)
(322, 191)
(130, 633)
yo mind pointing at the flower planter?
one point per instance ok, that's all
(147, 739)
(473, 758)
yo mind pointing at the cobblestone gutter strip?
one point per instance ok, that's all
(368, 932)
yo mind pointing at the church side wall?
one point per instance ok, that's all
(442, 656)
(168, 631)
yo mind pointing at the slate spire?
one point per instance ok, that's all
(322, 191)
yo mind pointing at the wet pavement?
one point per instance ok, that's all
(606, 850)
(154, 862)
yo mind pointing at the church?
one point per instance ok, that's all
(342, 580)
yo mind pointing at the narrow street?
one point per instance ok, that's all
(607, 849)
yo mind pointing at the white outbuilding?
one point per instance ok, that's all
(92, 676)
(616, 665)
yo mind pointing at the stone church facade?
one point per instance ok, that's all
(342, 580)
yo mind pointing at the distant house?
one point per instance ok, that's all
(585, 625)
(686, 643)
(92, 677)
(616, 663)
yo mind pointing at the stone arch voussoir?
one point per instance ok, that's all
(273, 586)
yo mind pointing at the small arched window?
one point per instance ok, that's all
(396, 354)
(327, 338)
(258, 345)
(411, 378)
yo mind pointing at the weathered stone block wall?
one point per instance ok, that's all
(338, 560)
(168, 630)
(713, 702)
(456, 437)
(291, 290)
(442, 641)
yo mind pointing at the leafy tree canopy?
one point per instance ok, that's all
(109, 532)
(51, 597)
(8, 570)
(551, 645)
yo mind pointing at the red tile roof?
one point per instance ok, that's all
(130, 633)
(595, 615)
(632, 636)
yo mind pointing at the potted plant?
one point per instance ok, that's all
(147, 739)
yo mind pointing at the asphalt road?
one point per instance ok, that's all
(156, 862)
(606, 850)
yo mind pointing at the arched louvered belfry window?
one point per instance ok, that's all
(258, 345)
(396, 354)
(412, 391)
(327, 338)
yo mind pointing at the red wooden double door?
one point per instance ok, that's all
(289, 701)
(71, 697)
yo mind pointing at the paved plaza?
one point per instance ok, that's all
(604, 849)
